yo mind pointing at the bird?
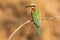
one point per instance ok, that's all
(36, 16)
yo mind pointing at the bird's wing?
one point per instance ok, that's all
(36, 17)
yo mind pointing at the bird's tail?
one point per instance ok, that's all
(38, 32)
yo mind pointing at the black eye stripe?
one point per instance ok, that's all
(33, 6)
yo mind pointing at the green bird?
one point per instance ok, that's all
(36, 16)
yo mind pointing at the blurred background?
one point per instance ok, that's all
(13, 13)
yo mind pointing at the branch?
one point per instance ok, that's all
(18, 29)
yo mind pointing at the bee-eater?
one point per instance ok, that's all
(36, 16)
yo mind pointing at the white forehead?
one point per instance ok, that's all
(32, 4)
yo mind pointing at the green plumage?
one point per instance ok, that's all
(38, 32)
(36, 16)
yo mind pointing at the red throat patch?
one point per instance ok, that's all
(33, 8)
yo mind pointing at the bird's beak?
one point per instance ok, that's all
(28, 6)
